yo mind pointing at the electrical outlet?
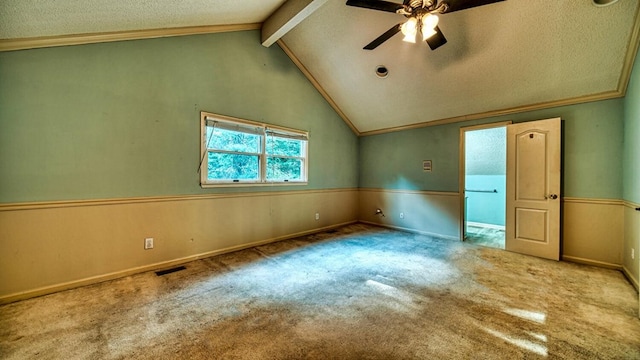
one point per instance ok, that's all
(633, 253)
(317, 216)
(401, 215)
(148, 243)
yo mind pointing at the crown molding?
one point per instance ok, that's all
(623, 82)
(92, 38)
(632, 51)
(509, 111)
(317, 85)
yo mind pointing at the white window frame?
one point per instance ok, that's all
(261, 129)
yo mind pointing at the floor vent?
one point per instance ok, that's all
(169, 271)
(331, 231)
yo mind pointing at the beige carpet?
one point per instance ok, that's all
(360, 293)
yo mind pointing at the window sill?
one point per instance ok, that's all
(253, 184)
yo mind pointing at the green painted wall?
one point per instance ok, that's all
(631, 173)
(593, 134)
(123, 119)
(631, 158)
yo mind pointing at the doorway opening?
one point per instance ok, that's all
(483, 180)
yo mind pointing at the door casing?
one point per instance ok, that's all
(461, 181)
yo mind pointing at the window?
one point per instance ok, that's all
(240, 152)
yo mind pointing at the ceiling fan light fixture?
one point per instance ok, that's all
(409, 38)
(430, 21)
(427, 33)
(422, 17)
(428, 28)
(409, 30)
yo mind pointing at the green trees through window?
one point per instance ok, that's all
(233, 155)
(242, 152)
(284, 158)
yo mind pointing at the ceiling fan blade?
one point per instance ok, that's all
(436, 40)
(376, 5)
(384, 37)
(457, 5)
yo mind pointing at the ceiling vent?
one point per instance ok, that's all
(382, 71)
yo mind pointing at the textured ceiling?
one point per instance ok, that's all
(35, 18)
(504, 55)
(509, 55)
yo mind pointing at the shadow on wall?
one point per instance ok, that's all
(433, 213)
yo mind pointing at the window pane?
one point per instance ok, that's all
(229, 140)
(233, 167)
(284, 169)
(284, 146)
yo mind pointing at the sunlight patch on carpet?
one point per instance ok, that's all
(536, 348)
(536, 317)
(391, 291)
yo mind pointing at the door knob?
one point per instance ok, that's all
(553, 196)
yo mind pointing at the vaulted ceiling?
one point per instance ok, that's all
(502, 58)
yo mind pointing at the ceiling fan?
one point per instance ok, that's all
(422, 18)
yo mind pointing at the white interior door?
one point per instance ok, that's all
(533, 188)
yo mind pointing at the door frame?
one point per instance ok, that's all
(461, 170)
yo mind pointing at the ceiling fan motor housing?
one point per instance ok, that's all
(420, 8)
(419, 3)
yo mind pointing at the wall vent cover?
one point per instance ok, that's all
(169, 271)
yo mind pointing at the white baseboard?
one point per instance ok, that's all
(584, 261)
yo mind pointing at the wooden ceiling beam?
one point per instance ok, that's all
(290, 14)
